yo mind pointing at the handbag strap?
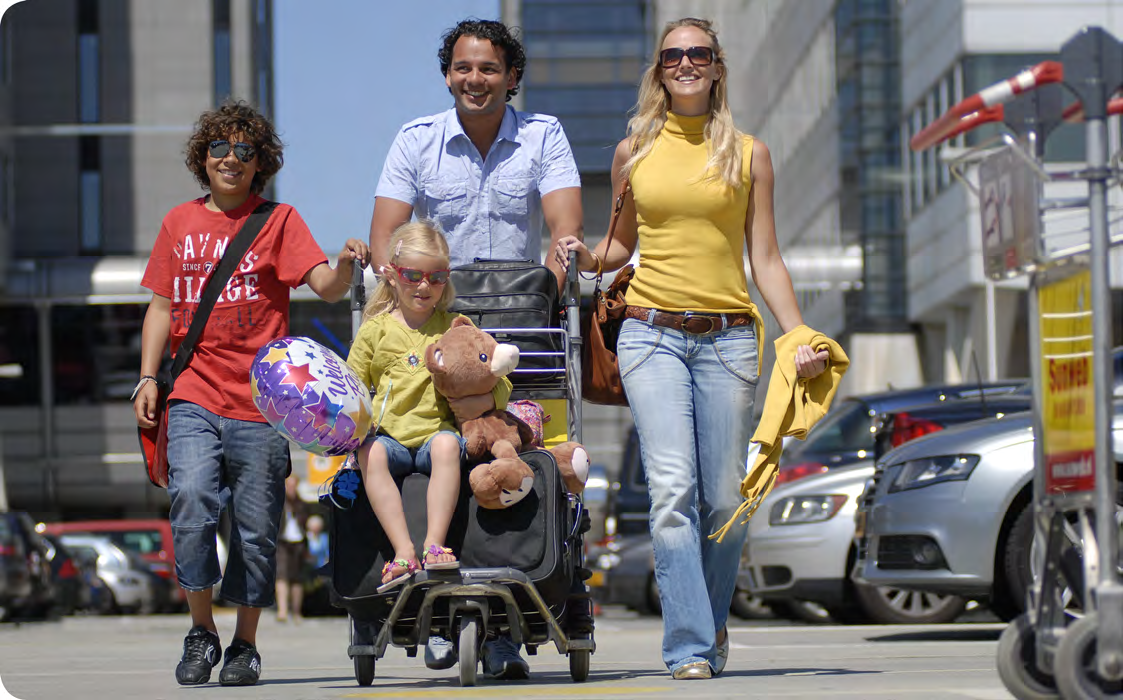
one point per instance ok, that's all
(617, 208)
(218, 280)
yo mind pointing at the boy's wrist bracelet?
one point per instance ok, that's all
(143, 380)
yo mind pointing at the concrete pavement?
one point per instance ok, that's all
(132, 658)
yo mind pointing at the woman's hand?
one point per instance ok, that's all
(809, 363)
(585, 260)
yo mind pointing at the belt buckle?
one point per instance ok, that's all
(689, 316)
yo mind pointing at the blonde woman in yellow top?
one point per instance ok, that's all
(702, 194)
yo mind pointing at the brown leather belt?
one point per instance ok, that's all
(689, 321)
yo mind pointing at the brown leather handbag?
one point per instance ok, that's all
(600, 370)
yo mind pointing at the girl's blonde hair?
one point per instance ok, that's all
(413, 238)
(724, 141)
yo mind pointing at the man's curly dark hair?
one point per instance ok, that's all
(231, 119)
(514, 56)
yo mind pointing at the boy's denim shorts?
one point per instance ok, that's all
(214, 462)
(416, 460)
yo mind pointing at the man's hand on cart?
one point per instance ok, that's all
(586, 260)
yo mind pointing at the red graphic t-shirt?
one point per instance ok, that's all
(252, 310)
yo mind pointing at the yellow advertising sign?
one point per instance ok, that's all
(1067, 384)
(322, 469)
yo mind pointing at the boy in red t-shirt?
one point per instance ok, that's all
(217, 439)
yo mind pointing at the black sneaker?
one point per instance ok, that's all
(242, 665)
(201, 649)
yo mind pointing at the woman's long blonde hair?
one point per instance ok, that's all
(413, 238)
(724, 141)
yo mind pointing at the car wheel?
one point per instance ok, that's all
(1009, 599)
(898, 606)
(748, 607)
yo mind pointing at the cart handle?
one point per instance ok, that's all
(995, 95)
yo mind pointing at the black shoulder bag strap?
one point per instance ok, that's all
(230, 259)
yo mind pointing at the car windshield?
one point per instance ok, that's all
(140, 541)
(845, 429)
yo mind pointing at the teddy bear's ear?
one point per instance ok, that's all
(461, 321)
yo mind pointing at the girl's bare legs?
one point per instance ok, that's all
(386, 502)
(444, 488)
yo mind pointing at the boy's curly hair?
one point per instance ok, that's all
(235, 118)
(500, 36)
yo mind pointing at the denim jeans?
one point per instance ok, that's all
(210, 459)
(403, 461)
(692, 399)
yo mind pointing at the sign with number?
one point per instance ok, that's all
(1009, 197)
(1067, 384)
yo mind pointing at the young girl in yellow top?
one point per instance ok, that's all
(688, 345)
(415, 429)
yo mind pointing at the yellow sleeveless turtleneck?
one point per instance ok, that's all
(691, 230)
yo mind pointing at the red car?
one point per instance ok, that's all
(151, 539)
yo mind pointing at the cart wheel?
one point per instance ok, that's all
(364, 669)
(1017, 663)
(579, 665)
(469, 649)
(1075, 664)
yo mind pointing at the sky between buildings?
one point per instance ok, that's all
(348, 74)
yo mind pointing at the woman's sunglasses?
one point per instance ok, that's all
(220, 149)
(412, 276)
(698, 55)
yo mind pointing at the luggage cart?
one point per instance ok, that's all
(1069, 642)
(535, 607)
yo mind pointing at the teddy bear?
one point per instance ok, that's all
(465, 364)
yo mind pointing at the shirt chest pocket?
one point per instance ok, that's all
(510, 198)
(446, 203)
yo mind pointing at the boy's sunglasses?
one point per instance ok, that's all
(698, 55)
(220, 149)
(412, 276)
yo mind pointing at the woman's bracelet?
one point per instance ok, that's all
(599, 267)
(143, 380)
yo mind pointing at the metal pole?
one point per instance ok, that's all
(1093, 64)
(573, 347)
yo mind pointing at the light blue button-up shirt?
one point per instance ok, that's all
(490, 207)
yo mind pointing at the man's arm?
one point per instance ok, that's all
(564, 217)
(388, 215)
(153, 339)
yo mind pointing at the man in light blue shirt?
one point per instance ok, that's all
(488, 175)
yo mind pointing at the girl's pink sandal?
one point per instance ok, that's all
(410, 566)
(436, 550)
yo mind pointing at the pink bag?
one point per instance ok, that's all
(533, 415)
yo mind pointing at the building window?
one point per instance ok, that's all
(263, 55)
(584, 60)
(19, 356)
(89, 63)
(223, 85)
(89, 192)
(6, 186)
(96, 352)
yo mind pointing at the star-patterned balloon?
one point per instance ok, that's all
(310, 395)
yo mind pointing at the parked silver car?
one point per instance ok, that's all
(801, 538)
(952, 513)
(800, 551)
(125, 575)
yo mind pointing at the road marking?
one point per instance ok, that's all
(518, 691)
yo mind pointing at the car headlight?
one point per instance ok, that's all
(607, 561)
(917, 473)
(798, 510)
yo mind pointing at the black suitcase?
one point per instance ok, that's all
(516, 294)
(537, 536)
